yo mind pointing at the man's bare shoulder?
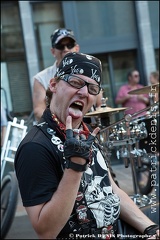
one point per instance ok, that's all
(45, 75)
(46, 71)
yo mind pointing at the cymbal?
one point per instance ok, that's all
(105, 111)
(145, 90)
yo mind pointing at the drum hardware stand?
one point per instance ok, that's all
(126, 139)
(134, 177)
(120, 137)
(128, 117)
(133, 154)
(103, 122)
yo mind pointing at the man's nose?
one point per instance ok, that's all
(83, 91)
(66, 49)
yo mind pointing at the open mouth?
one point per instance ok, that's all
(75, 109)
(77, 105)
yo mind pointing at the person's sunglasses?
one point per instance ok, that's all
(78, 83)
(62, 46)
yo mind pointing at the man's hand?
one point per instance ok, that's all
(81, 149)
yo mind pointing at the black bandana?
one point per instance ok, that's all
(79, 63)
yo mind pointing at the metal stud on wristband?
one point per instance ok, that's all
(151, 230)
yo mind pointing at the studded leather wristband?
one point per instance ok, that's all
(75, 166)
(151, 230)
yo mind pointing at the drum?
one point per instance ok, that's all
(151, 142)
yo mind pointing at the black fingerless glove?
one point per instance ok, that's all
(78, 148)
(151, 230)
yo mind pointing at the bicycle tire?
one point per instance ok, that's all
(145, 173)
(9, 199)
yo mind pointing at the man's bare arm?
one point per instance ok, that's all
(39, 103)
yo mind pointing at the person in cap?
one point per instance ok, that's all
(62, 42)
(64, 180)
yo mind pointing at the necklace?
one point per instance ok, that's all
(59, 123)
(83, 130)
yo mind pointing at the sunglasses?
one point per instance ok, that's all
(62, 46)
(78, 83)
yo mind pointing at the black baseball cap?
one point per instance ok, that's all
(61, 33)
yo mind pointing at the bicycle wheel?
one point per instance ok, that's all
(9, 197)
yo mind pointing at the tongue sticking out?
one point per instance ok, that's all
(75, 112)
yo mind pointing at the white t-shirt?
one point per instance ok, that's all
(45, 75)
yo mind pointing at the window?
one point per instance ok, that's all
(47, 17)
(98, 19)
(14, 68)
(102, 26)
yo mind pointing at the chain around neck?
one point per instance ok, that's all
(83, 129)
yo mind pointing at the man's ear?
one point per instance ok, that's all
(77, 48)
(52, 84)
(53, 51)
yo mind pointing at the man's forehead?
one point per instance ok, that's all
(65, 40)
(135, 72)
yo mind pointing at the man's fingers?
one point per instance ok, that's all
(93, 134)
(96, 130)
(69, 122)
(69, 131)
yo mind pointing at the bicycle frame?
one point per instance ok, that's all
(15, 132)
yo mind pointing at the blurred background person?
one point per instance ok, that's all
(154, 98)
(154, 79)
(3, 124)
(136, 102)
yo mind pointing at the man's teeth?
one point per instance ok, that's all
(78, 103)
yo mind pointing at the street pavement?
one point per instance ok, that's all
(21, 227)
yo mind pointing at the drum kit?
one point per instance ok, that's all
(131, 137)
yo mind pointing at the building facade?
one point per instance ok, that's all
(122, 34)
